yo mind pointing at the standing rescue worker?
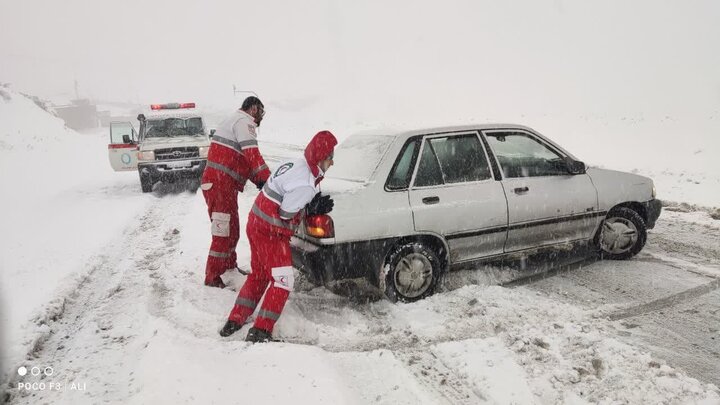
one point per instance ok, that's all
(278, 209)
(233, 159)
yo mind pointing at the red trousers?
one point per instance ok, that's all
(222, 203)
(271, 263)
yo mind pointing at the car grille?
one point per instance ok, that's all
(176, 153)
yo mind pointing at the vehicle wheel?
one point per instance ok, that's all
(146, 183)
(622, 234)
(413, 273)
(194, 185)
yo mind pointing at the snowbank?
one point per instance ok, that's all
(61, 205)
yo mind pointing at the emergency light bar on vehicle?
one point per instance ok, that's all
(171, 106)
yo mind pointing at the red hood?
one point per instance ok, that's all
(319, 148)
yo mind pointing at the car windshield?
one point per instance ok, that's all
(170, 127)
(357, 157)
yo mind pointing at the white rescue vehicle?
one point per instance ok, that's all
(171, 144)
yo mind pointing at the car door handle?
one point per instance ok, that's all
(521, 190)
(431, 200)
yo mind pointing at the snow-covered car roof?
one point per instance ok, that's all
(162, 114)
(359, 155)
(406, 133)
(403, 134)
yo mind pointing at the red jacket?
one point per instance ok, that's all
(234, 156)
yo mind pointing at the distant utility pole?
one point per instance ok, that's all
(236, 91)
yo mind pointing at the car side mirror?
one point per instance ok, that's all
(575, 166)
(212, 132)
(126, 139)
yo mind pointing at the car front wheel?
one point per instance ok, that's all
(146, 183)
(413, 273)
(623, 234)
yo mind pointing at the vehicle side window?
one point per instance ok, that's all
(402, 172)
(452, 159)
(521, 155)
(119, 129)
(462, 158)
(428, 173)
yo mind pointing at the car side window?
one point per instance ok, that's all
(428, 173)
(521, 155)
(402, 172)
(452, 159)
(462, 158)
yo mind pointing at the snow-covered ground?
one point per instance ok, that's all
(103, 284)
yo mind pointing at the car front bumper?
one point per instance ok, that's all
(172, 170)
(325, 263)
(652, 208)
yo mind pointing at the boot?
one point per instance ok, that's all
(230, 328)
(216, 282)
(256, 335)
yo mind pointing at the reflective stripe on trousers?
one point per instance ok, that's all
(220, 255)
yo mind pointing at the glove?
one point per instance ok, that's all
(260, 184)
(320, 204)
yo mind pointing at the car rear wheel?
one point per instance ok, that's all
(622, 234)
(413, 273)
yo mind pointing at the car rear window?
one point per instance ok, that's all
(357, 157)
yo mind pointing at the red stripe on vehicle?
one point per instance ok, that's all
(121, 146)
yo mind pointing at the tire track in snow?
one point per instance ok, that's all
(82, 327)
(433, 373)
(414, 352)
(665, 302)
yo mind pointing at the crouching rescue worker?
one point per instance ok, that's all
(271, 223)
(233, 159)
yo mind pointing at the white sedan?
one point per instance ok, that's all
(411, 205)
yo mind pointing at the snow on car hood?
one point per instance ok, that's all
(158, 143)
(341, 186)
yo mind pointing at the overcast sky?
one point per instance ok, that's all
(615, 57)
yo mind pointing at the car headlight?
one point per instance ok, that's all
(146, 155)
(654, 191)
(203, 151)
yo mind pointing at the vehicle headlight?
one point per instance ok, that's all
(146, 155)
(203, 151)
(654, 191)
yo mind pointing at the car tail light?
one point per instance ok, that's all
(320, 226)
(171, 106)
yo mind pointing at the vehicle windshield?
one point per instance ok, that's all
(170, 127)
(357, 157)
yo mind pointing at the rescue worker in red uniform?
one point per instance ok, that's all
(278, 209)
(233, 159)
